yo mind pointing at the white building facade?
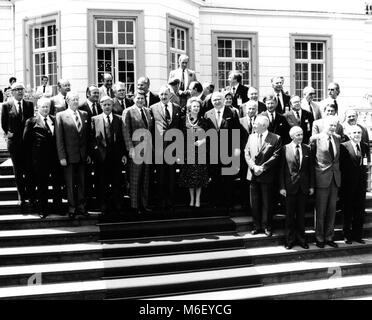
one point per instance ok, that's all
(308, 43)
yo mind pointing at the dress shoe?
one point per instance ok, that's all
(320, 245)
(361, 241)
(348, 241)
(304, 245)
(288, 246)
(268, 232)
(255, 231)
(332, 244)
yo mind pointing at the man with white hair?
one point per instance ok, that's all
(167, 116)
(59, 100)
(354, 158)
(40, 141)
(326, 150)
(308, 103)
(73, 134)
(121, 102)
(262, 154)
(351, 118)
(14, 114)
(106, 88)
(296, 184)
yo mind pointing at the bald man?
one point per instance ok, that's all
(296, 184)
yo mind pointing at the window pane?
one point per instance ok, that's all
(100, 25)
(100, 38)
(130, 26)
(130, 39)
(121, 26)
(121, 38)
(109, 38)
(108, 26)
(172, 38)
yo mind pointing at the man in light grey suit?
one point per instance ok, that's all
(318, 125)
(72, 134)
(308, 103)
(59, 101)
(106, 88)
(137, 119)
(326, 150)
(185, 76)
(167, 116)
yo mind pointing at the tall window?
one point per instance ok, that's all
(311, 64)
(116, 50)
(234, 52)
(178, 44)
(44, 53)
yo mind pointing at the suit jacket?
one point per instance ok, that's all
(118, 109)
(72, 145)
(365, 135)
(58, 104)
(132, 121)
(318, 128)
(103, 92)
(286, 101)
(154, 98)
(326, 169)
(190, 76)
(279, 126)
(240, 92)
(39, 141)
(306, 123)
(261, 108)
(85, 107)
(161, 125)
(353, 170)
(13, 123)
(317, 114)
(267, 156)
(294, 178)
(99, 144)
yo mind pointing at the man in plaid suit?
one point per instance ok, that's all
(137, 122)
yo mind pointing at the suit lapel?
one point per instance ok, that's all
(213, 118)
(349, 147)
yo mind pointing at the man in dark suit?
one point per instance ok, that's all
(40, 141)
(246, 129)
(262, 155)
(121, 102)
(326, 150)
(143, 84)
(59, 101)
(106, 88)
(137, 120)
(239, 91)
(225, 121)
(14, 114)
(354, 158)
(277, 122)
(296, 184)
(93, 108)
(299, 117)
(108, 151)
(281, 98)
(72, 133)
(166, 116)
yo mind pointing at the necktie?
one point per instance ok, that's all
(167, 114)
(271, 116)
(259, 142)
(182, 84)
(43, 89)
(233, 88)
(311, 109)
(94, 107)
(330, 148)
(250, 125)
(144, 118)
(358, 154)
(20, 113)
(122, 104)
(297, 156)
(108, 130)
(146, 105)
(298, 115)
(336, 105)
(66, 106)
(46, 124)
(279, 103)
(218, 119)
(78, 123)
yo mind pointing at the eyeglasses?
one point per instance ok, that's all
(18, 89)
(331, 89)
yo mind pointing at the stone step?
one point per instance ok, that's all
(278, 266)
(324, 289)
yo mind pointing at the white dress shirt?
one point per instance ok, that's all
(169, 107)
(219, 119)
(105, 117)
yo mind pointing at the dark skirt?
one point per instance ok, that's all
(193, 176)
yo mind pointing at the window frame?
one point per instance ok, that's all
(252, 37)
(139, 55)
(29, 24)
(328, 59)
(189, 39)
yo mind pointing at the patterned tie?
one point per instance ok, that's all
(297, 156)
(46, 124)
(78, 123)
(144, 118)
(298, 115)
(330, 148)
(167, 114)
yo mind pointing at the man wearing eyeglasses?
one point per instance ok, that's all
(14, 114)
(333, 93)
(308, 103)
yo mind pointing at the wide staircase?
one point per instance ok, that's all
(191, 255)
